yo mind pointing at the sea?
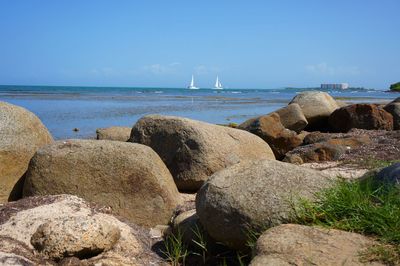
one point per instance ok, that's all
(63, 109)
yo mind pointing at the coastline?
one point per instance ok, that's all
(64, 108)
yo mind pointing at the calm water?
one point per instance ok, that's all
(63, 108)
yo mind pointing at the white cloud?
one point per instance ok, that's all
(160, 69)
(327, 70)
(204, 70)
(105, 71)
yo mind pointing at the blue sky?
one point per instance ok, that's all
(249, 44)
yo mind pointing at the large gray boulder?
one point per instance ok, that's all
(317, 106)
(68, 217)
(114, 133)
(128, 177)
(253, 195)
(194, 150)
(21, 134)
(293, 244)
(292, 117)
(394, 109)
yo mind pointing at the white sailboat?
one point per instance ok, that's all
(218, 85)
(191, 86)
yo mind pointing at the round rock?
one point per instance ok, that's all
(317, 106)
(21, 134)
(128, 177)
(253, 195)
(194, 150)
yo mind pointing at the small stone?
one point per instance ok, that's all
(160, 231)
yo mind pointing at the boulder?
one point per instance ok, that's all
(269, 128)
(292, 244)
(317, 106)
(292, 117)
(394, 109)
(319, 152)
(194, 150)
(114, 133)
(20, 220)
(253, 195)
(80, 237)
(315, 137)
(128, 177)
(397, 100)
(363, 116)
(389, 175)
(324, 147)
(21, 134)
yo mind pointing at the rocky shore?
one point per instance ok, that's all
(172, 190)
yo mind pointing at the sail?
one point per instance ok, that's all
(191, 86)
(192, 82)
(217, 83)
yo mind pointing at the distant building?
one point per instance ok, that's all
(340, 86)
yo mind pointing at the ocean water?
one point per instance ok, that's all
(62, 109)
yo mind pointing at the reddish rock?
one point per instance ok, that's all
(292, 117)
(325, 148)
(315, 137)
(364, 116)
(352, 142)
(271, 130)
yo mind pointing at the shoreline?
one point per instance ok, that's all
(154, 165)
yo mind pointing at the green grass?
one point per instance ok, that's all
(200, 251)
(175, 250)
(365, 207)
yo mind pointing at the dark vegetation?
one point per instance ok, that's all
(395, 87)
